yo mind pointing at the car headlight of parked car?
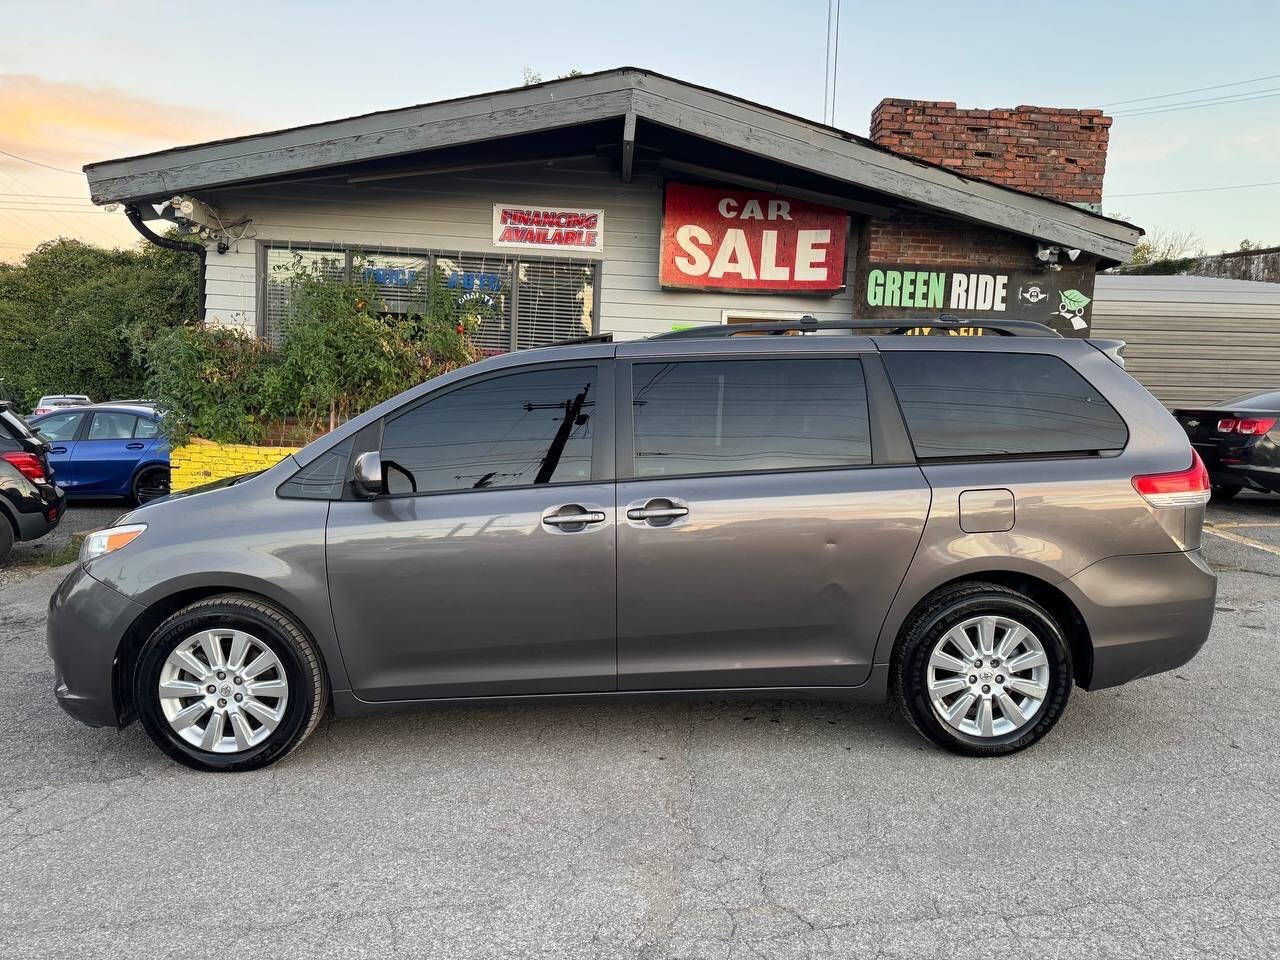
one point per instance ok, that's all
(101, 542)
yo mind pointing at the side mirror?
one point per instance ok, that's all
(367, 481)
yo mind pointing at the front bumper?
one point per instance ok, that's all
(1146, 614)
(87, 621)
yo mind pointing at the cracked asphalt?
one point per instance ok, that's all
(1145, 826)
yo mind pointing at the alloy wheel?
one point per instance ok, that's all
(988, 676)
(224, 691)
(151, 485)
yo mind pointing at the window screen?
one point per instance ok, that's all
(481, 289)
(989, 404)
(518, 430)
(146, 428)
(555, 301)
(282, 265)
(735, 416)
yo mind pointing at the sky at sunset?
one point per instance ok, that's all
(94, 80)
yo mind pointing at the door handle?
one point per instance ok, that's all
(57, 449)
(569, 519)
(134, 446)
(656, 513)
(573, 517)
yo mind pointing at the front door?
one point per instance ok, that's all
(759, 544)
(107, 453)
(488, 568)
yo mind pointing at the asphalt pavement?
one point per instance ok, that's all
(1144, 826)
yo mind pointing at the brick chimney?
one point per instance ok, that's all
(1055, 152)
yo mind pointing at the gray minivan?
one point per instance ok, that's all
(970, 524)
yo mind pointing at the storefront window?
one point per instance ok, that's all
(283, 264)
(508, 302)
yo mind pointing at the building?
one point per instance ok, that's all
(630, 202)
(1193, 340)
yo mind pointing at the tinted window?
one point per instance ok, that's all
(322, 478)
(60, 427)
(512, 431)
(146, 429)
(112, 426)
(984, 404)
(13, 429)
(734, 416)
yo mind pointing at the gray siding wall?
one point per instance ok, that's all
(1193, 340)
(454, 213)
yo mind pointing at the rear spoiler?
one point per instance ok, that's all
(1112, 348)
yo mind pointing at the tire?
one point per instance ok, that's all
(254, 740)
(6, 537)
(1224, 493)
(150, 483)
(969, 606)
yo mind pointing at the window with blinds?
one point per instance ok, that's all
(511, 302)
(282, 265)
(555, 301)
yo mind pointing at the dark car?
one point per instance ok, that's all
(970, 525)
(31, 503)
(108, 450)
(1239, 442)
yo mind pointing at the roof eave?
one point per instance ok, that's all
(610, 94)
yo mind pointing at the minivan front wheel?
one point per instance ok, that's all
(983, 670)
(229, 683)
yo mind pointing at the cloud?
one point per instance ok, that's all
(68, 125)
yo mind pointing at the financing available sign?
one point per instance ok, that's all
(717, 238)
(1059, 298)
(548, 228)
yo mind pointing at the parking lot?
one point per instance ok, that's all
(1144, 826)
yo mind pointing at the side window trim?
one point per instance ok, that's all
(602, 441)
(888, 452)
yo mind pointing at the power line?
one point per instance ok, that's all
(1162, 193)
(74, 173)
(1179, 93)
(1266, 94)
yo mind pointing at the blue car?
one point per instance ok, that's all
(108, 450)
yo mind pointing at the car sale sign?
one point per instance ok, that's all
(744, 240)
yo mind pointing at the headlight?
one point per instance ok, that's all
(102, 542)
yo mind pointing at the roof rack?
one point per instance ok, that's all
(1004, 328)
(579, 341)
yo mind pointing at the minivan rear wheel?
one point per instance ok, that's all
(229, 683)
(983, 670)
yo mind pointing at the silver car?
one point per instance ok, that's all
(970, 525)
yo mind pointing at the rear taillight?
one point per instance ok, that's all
(28, 465)
(1186, 488)
(1249, 426)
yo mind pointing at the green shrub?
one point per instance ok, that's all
(73, 317)
(214, 381)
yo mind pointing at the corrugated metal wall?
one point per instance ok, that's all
(1193, 339)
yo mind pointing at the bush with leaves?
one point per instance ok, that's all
(215, 382)
(340, 354)
(74, 317)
